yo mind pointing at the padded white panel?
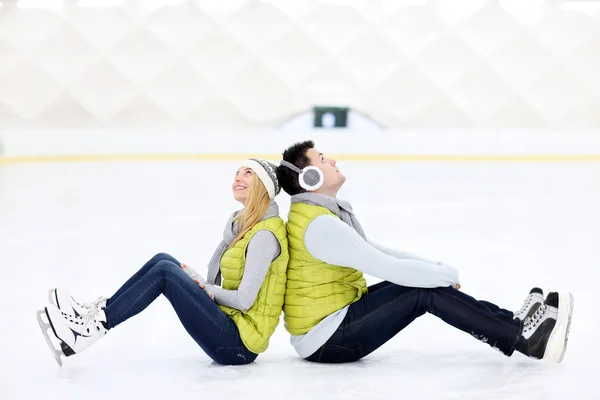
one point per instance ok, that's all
(242, 63)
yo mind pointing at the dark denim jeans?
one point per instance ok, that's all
(389, 308)
(210, 327)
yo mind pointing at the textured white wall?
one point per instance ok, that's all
(240, 63)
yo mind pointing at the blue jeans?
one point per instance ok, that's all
(389, 308)
(210, 327)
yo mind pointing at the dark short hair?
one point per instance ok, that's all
(295, 154)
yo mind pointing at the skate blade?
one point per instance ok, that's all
(45, 327)
(557, 343)
(52, 297)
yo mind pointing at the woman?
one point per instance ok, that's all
(232, 323)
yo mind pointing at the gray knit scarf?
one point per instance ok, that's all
(214, 266)
(341, 208)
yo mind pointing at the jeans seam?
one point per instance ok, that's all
(133, 303)
(203, 310)
(345, 348)
(184, 290)
(477, 310)
(378, 309)
(225, 359)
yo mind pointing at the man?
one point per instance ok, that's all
(333, 317)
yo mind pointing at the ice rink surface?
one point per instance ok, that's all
(89, 226)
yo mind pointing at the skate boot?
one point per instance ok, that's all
(65, 302)
(531, 304)
(67, 334)
(546, 332)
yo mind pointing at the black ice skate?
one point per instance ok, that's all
(546, 332)
(531, 304)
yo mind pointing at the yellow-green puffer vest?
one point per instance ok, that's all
(257, 324)
(314, 289)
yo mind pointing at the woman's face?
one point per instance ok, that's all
(241, 184)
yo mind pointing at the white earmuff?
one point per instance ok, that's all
(310, 178)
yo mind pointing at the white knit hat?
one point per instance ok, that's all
(266, 173)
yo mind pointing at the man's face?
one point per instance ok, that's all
(334, 179)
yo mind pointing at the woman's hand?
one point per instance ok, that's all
(199, 279)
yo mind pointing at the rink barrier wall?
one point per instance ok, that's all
(523, 158)
(47, 146)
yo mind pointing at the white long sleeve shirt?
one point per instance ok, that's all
(331, 240)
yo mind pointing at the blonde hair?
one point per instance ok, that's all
(257, 204)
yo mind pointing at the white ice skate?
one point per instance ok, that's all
(67, 334)
(65, 302)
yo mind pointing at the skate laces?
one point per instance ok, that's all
(95, 304)
(526, 304)
(533, 321)
(90, 316)
(87, 317)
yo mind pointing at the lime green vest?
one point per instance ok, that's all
(258, 323)
(314, 289)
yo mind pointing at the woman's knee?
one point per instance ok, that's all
(164, 257)
(170, 276)
(166, 268)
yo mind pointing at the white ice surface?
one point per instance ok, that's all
(88, 227)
